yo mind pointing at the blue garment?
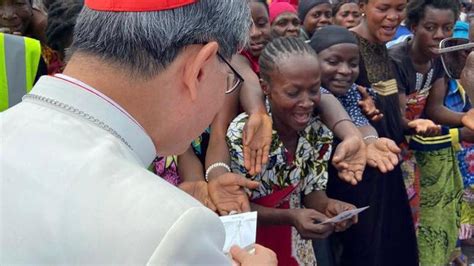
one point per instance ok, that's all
(350, 102)
(402, 30)
(454, 99)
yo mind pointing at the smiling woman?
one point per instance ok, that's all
(15, 16)
(291, 200)
(378, 26)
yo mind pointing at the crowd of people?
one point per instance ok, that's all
(136, 124)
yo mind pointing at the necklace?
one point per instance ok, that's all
(76, 112)
(419, 81)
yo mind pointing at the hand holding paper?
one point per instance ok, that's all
(342, 214)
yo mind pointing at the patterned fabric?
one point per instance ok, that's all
(467, 207)
(51, 58)
(284, 181)
(167, 168)
(466, 164)
(440, 201)
(456, 98)
(376, 65)
(308, 167)
(350, 102)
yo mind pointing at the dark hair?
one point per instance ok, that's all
(264, 2)
(279, 49)
(416, 9)
(336, 6)
(62, 16)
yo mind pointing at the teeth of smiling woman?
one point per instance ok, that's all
(302, 118)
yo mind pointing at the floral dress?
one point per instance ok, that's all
(284, 181)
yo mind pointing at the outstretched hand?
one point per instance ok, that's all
(425, 127)
(257, 138)
(227, 192)
(468, 119)
(199, 191)
(350, 158)
(367, 105)
(383, 154)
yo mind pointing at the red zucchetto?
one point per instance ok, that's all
(136, 5)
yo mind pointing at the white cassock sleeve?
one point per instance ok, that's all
(196, 238)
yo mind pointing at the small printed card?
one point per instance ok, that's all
(240, 230)
(345, 215)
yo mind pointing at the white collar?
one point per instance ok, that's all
(79, 95)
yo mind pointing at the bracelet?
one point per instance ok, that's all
(215, 165)
(340, 121)
(370, 137)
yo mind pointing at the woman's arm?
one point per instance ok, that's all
(258, 130)
(350, 155)
(191, 172)
(435, 109)
(306, 221)
(190, 167)
(217, 150)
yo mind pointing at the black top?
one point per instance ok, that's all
(375, 66)
(406, 74)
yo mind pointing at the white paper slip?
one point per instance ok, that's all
(240, 230)
(345, 215)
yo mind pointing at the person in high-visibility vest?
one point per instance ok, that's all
(19, 60)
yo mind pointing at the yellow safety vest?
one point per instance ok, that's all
(19, 60)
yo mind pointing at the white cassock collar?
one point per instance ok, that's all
(78, 95)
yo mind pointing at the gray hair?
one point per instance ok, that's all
(147, 42)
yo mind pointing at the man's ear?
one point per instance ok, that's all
(194, 66)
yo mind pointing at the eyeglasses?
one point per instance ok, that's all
(234, 79)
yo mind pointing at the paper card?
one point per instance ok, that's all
(345, 215)
(240, 230)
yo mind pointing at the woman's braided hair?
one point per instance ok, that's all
(62, 17)
(279, 49)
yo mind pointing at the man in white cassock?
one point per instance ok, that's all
(144, 78)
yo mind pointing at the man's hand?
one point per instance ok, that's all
(198, 189)
(307, 223)
(227, 192)
(468, 119)
(425, 127)
(335, 207)
(467, 75)
(257, 138)
(262, 256)
(383, 154)
(350, 158)
(367, 105)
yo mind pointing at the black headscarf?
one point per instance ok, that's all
(305, 6)
(331, 35)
